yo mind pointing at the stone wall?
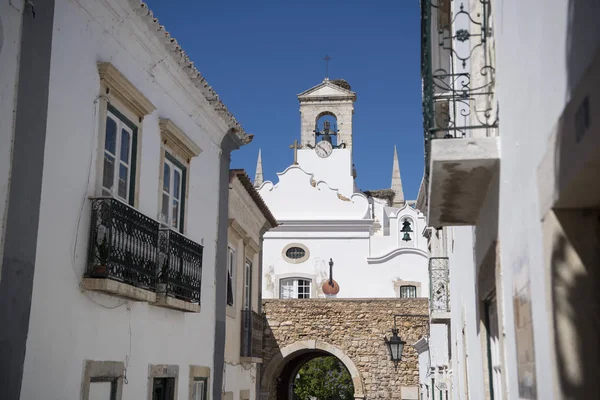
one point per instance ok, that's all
(353, 330)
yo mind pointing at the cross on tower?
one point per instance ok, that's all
(295, 146)
(326, 59)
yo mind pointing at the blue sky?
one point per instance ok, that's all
(259, 54)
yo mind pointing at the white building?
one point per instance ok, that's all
(249, 219)
(516, 198)
(114, 177)
(373, 240)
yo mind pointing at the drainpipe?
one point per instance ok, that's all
(17, 265)
(229, 143)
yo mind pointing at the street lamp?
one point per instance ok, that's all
(395, 346)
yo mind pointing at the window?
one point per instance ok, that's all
(248, 286)
(173, 193)
(103, 380)
(295, 253)
(294, 288)
(199, 388)
(101, 389)
(120, 142)
(163, 389)
(230, 276)
(408, 291)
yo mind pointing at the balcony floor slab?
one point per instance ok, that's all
(460, 174)
(162, 300)
(118, 289)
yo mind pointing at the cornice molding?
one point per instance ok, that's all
(124, 90)
(175, 138)
(394, 253)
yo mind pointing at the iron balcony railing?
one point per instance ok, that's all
(123, 244)
(180, 266)
(457, 70)
(439, 284)
(252, 334)
(127, 246)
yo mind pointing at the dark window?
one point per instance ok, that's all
(408, 291)
(199, 389)
(295, 253)
(230, 276)
(163, 389)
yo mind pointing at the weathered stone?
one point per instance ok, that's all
(357, 329)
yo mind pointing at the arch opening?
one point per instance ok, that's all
(280, 379)
(326, 127)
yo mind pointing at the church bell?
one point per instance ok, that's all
(406, 229)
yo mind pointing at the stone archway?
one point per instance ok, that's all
(296, 354)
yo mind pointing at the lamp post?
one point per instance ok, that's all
(395, 344)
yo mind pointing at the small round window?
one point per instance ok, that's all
(295, 253)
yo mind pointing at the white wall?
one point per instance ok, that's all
(10, 45)
(532, 96)
(336, 169)
(67, 325)
(356, 277)
(465, 359)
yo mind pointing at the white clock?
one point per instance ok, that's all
(323, 149)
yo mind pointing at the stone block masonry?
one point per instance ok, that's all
(351, 329)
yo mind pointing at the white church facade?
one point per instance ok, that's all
(333, 240)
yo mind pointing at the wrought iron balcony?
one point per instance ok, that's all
(457, 69)
(439, 281)
(180, 266)
(123, 244)
(252, 334)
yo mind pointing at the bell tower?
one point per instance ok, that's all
(330, 98)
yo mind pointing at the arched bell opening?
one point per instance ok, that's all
(326, 128)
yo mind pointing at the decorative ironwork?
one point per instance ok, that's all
(180, 266)
(439, 279)
(123, 244)
(252, 334)
(457, 70)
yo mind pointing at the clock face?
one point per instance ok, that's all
(323, 149)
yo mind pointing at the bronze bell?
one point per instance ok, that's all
(406, 237)
(406, 227)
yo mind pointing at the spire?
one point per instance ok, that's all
(258, 176)
(397, 182)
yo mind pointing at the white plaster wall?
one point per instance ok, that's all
(462, 306)
(336, 169)
(239, 377)
(565, 38)
(438, 344)
(67, 325)
(10, 45)
(356, 277)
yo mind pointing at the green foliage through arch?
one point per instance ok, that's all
(324, 378)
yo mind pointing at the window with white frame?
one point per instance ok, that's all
(173, 193)
(199, 388)
(248, 285)
(408, 291)
(230, 276)
(294, 288)
(118, 173)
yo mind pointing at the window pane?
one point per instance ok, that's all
(100, 391)
(123, 178)
(108, 173)
(295, 253)
(303, 289)
(176, 184)
(164, 212)
(125, 146)
(175, 216)
(110, 140)
(167, 178)
(287, 289)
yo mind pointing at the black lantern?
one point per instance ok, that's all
(395, 346)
